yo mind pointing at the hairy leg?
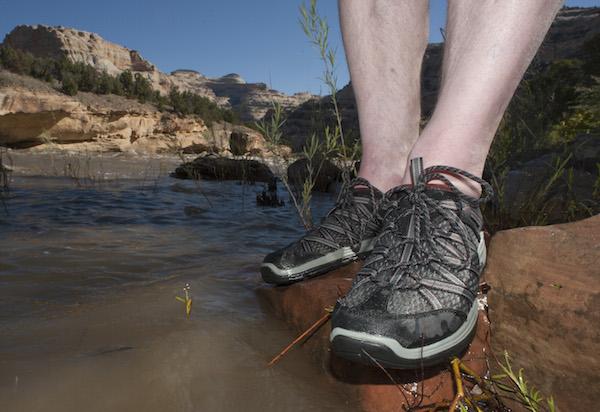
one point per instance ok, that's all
(384, 42)
(488, 48)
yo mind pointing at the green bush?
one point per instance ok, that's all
(186, 103)
(126, 81)
(69, 85)
(580, 122)
(142, 89)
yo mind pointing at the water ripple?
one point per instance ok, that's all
(61, 242)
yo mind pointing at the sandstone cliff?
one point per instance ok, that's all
(251, 100)
(32, 113)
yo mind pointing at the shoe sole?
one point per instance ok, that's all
(367, 348)
(333, 260)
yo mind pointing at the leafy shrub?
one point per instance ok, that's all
(69, 85)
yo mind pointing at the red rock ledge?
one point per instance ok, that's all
(301, 304)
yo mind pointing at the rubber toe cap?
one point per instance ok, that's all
(410, 331)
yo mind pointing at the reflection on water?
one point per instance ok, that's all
(59, 241)
(88, 277)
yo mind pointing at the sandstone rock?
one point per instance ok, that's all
(328, 176)
(251, 100)
(34, 114)
(545, 307)
(238, 143)
(191, 80)
(301, 304)
(572, 27)
(221, 168)
(241, 140)
(244, 141)
(85, 47)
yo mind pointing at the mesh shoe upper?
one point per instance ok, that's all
(352, 220)
(422, 277)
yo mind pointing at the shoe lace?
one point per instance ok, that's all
(419, 243)
(349, 218)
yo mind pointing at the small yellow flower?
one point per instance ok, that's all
(187, 300)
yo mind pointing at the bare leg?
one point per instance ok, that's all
(489, 46)
(385, 41)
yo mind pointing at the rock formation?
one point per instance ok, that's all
(222, 168)
(85, 47)
(251, 100)
(572, 27)
(32, 113)
(545, 307)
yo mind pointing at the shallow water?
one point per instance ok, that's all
(88, 274)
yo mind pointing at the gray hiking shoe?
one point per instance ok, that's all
(414, 301)
(347, 233)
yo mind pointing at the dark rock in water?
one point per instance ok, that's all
(221, 168)
(269, 197)
(193, 211)
(198, 148)
(179, 188)
(545, 307)
(325, 181)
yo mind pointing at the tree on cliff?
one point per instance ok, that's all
(142, 89)
(126, 80)
(15, 61)
(107, 84)
(88, 77)
(69, 85)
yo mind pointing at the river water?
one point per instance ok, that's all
(93, 251)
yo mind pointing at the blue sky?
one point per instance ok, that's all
(261, 39)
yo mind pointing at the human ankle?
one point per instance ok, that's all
(461, 183)
(381, 179)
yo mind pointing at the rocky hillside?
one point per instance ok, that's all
(32, 113)
(251, 100)
(570, 30)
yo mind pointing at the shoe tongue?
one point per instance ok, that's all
(397, 193)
